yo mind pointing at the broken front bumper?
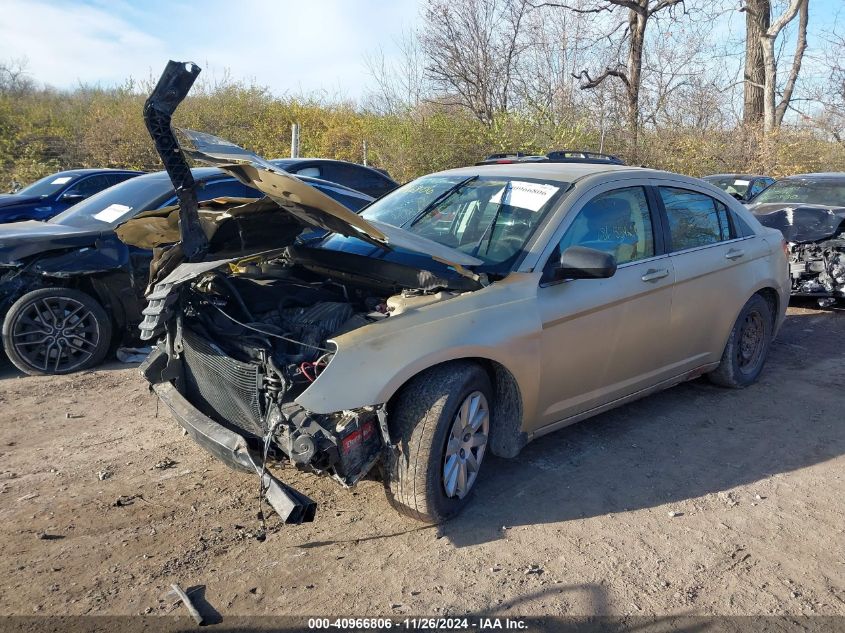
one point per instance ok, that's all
(292, 506)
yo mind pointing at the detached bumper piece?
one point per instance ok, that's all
(292, 506)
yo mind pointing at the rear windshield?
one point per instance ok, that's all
(731, 184)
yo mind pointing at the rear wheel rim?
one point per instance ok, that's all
(55, 334)
(750, 342)
(466, 445)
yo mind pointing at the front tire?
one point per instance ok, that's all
(56, 331)
(441, 422)
(747, 347)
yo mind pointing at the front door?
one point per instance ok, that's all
(603, 339)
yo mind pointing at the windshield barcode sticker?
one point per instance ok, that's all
(112, 212)
(525, 195)
(61, 181)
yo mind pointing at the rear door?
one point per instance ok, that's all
(603, 339)
(711, 259)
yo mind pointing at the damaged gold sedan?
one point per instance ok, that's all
(468, 311)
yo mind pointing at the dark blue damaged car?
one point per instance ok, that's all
(70, 289)
(53, 194)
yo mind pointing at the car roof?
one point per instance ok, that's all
(561, 172)
(91, 170)
(734, 176)
(820, 175)
(198, 173)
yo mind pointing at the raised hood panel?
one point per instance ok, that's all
(308, 204)
(800, 222)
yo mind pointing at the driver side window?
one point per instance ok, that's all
(616, 222)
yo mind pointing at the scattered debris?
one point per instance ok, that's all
(125, 500)
(496, 568)
(165, 464)
(728, 497)
(196, 615)
(133, 354)
(533, 569)
(73, 416)
(102, 475)
(31, 495)
(672, 514)
(44, 536)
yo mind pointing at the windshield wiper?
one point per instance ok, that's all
(492, 222)
(439, 200)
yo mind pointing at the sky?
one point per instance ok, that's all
(289, 46)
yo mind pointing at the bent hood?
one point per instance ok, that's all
(311, 206)
(19, 240)
(800, 222)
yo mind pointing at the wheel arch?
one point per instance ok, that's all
(506, 435)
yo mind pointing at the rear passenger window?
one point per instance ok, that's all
(617, 222)
(695, 219)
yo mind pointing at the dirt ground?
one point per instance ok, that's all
(694, 501)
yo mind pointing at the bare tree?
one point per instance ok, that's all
(761, 101)
(471, 49)
(14, 77)
(629, 34)
(400, 85)
(758, 18)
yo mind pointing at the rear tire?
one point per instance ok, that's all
(53, 331)
(747, 347)
(441, 422)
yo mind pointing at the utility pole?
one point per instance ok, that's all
(294, 140)
(365, 152)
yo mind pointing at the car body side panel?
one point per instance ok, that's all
(497, 323)
(710, 291)
(603, 338)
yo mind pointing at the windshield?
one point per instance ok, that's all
(117, 204)
(47, 186)
(828, 192)
(731, 184)
(491, 218)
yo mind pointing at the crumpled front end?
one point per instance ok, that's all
(239, 343)
(815, 237)
(817, 269)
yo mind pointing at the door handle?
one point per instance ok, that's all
(653, 274)
(734, 253)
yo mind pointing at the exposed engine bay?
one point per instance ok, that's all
(818, 269)
(250, 339)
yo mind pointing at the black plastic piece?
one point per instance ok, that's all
(170, 91)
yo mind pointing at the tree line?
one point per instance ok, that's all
(659, 82)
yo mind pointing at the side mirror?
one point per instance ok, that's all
(72, 197)
(580, 262)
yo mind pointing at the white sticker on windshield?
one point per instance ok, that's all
(62, 180)
(741, 182)
(525, 195)
(112, 212)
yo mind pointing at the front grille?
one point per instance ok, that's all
(220, 386)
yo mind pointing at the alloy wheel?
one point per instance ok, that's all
(56, 334)
(466, 445)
